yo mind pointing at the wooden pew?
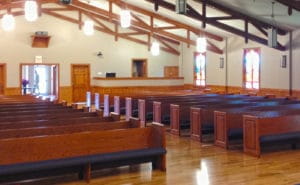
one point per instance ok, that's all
(231, 121)
(147, 108)
(181, 114)
(258, 129)
(83, 152)
(164, 106)
(202, 117)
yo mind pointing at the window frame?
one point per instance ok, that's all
(245, 50)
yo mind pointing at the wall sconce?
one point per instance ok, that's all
(283, 61)
(221, 62)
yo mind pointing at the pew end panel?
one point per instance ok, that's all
(157, 111)
(117, 104)
(159, 140)
(196, 125)
(250, 138)
(115, 116)
(258, 130)
(174, 119)
(128, 110)
(86, 109)
(220, 129)
(135, 122)
(99, 112)
(142, 111)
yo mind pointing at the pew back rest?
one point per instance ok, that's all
(34, 149)
(276, 125)
(66, 129)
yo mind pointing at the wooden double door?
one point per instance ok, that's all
(80, 81)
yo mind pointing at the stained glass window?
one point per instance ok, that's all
(251, 68)
(199, 69)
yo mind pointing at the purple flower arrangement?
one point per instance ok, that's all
(25, 82)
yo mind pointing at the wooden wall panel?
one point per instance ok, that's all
(171, 71)
(65, 93)
(241, 90)
(12, 91)
(128, 91)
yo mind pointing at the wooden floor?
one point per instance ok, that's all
(189, 163)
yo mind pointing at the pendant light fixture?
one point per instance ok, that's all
(8, 22)
(201, 44)
(31, 10)
(125, 18)
(88, 27)
(155, 48)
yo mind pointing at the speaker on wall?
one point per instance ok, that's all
(272, 37)
(181, 6)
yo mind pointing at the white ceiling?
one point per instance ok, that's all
(260, 9)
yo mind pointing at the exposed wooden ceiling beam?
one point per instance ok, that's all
(195, 15)
(134, 24)
(115, 19)
(75, 21)
(168, 20)
(168, 45)
(103, 28)
(223, 18)
(131, 28)
(98, 13)
(232, 12)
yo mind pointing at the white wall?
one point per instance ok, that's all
(272, 75)
(296, 59)
(69, 45)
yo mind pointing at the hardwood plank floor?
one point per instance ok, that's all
(192, 163)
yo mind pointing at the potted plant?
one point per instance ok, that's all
(24, 84)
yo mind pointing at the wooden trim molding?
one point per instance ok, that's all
(139, 78)
(4, 76)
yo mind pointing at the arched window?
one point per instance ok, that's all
(199, 69)
(251, 68)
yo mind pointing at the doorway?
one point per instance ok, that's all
(40, 80)
(80, 75)
(139, 68)
(2, 78)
